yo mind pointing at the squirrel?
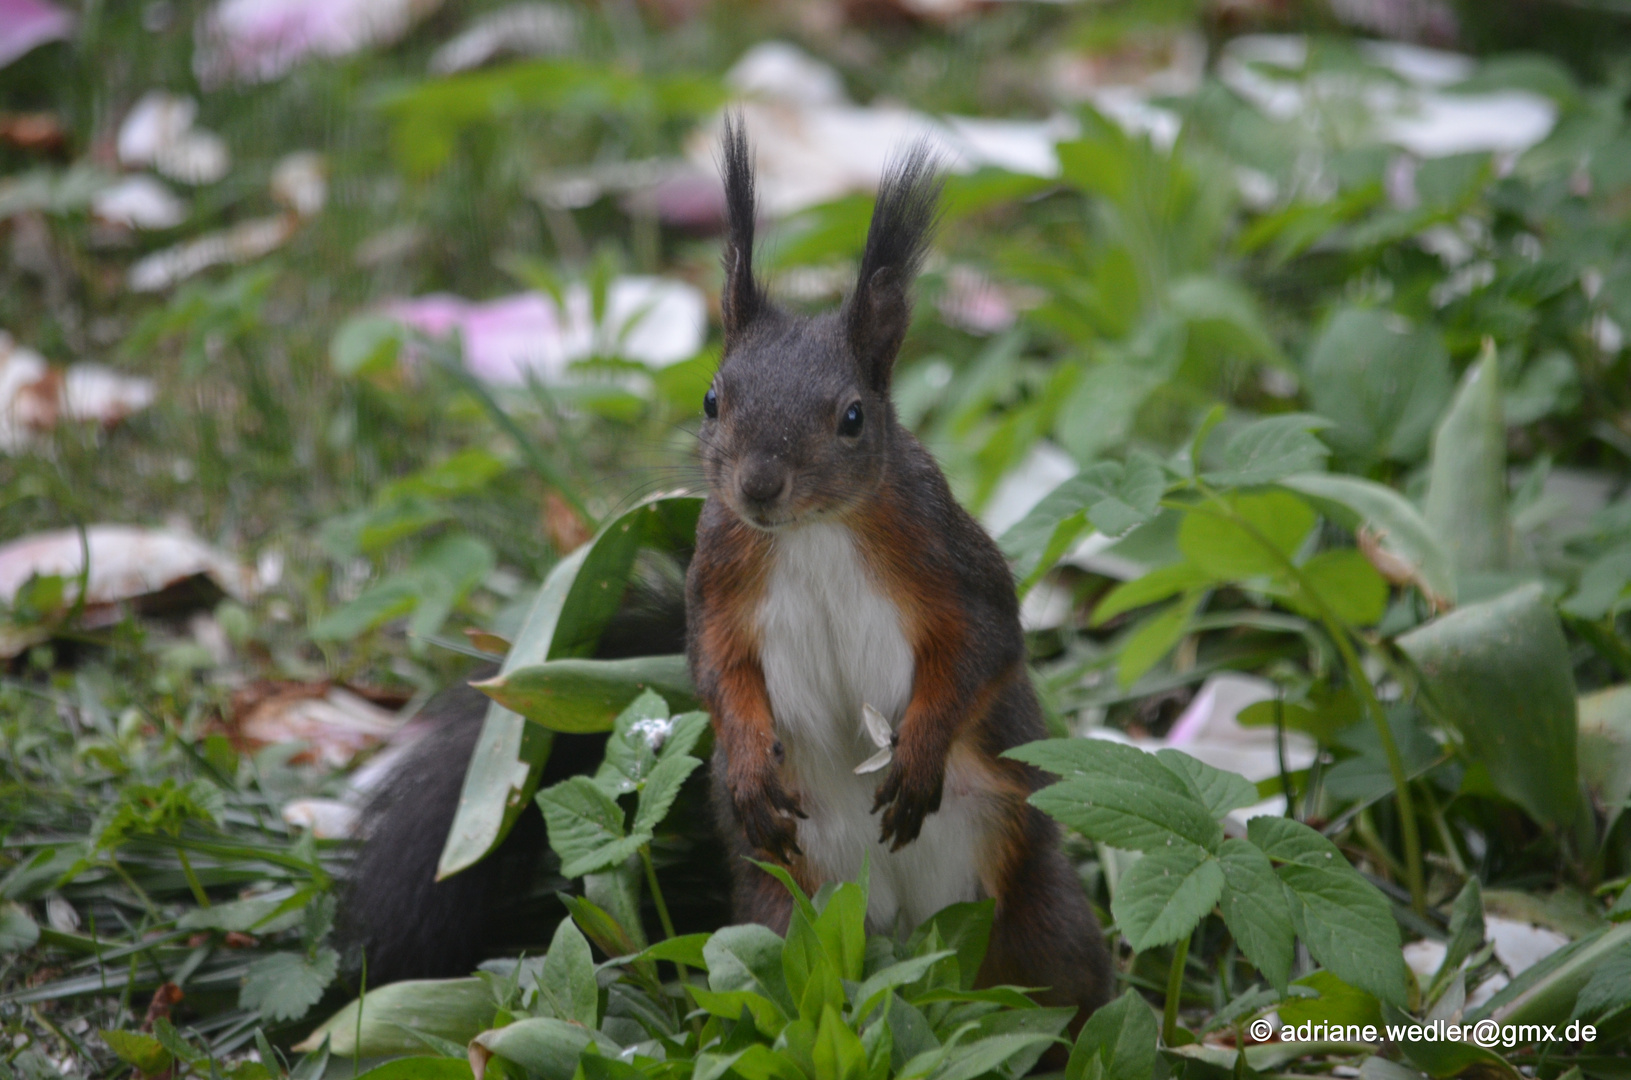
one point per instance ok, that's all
(834, 573)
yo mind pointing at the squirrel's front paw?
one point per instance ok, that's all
(906, 798)
(769, 815)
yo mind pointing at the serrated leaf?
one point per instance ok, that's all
(586, 827)
(1127, 814)
(1087, 757)
(1256, 911)
(1270, 449)
(1384, 387)
(1109, 496)
(1219, 791)
(1345, 922)
(660, 790)
(284, 985)
(1165, 895)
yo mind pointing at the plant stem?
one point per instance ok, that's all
(1340, 637)
(662, 906)
(193, 883)
(1175, 986)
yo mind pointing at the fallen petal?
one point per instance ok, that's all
(27, 24)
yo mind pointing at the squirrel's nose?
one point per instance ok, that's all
(762, 481)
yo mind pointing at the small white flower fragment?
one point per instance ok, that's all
(61, 914)
(878, 730)
(300, 183)
(654, 731)
(139, 202)
(158, 131)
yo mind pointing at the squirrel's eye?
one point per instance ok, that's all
(850, 425)
(710, 404)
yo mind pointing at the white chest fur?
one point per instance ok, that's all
(832, 641)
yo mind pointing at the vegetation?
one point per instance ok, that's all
(1317, 404)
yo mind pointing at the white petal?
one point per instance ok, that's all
(877, 728)
(875, 762)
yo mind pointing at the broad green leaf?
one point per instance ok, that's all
(1225, 312)
(1219, 791)
(1121, 1038)
(1605, 753)
(1269, 522)
(546, 1048)
(1111, 497)
(1609, 988)
(900, 973)
(283, 985)
(1383, 386)
(1500, 671)
(1255, 910)
(587, 695)
(729, 1004)
(757, 1062)
(1399, 529)
(1345, 582)
(1165, 895)
(453, 1009)
(748, 957)
(1466, 503)
(1323, 715)
(1102, 758)
(144, 1053)
(1271, 449)
(1345, 922)
(1603, 586)
(1156, 585)
(600, 926)
(1128, 814)
(1445, 1058)
(1335, 1002)
(841, 926)
(684, 949)
(578, 599)
(812, 974)
(1156, 636)
(1549, 991)
(838, 1052)
(586, 827)
(980, 1058)
(566, 982)
(964, 928)
(661, 788)
(366, 345)
(1026, 1020)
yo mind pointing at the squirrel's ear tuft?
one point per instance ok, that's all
(877, 314)
(742, 298)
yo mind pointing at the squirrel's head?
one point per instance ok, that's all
(798, 424)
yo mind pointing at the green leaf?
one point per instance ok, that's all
(1077, 758)
(1603, 586)
(18, 930)
(1128, 814)
(841, 926)
(585, 696)
(748, 957)
(661, 788)
(1271, 449)
(586, 827)
(1383, 386)
(566, 982)
(439, 578)
(1466, 502)
(1239, 550)
(1165, 895)
(1158, 584)
(546, 1048)
(767, 1016)
(838, 1052)
(1609, 988)
(1346, 583)
(1156, 636)
(1500, 671)
(1112, 497)
(283, 985)
(1400, 530)
(142, 1052)
(1219, 791)
(1255, 910)
(964, 928)
(1466, 936)
(1336, 1003)
(812, 974)
(968, 1061)
(578, 599)
(1121, 1038)
(600, 926)
(1345, 922)
(366, 345)
(900, 973)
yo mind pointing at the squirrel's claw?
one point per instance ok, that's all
(904, 808)
(767, 817)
